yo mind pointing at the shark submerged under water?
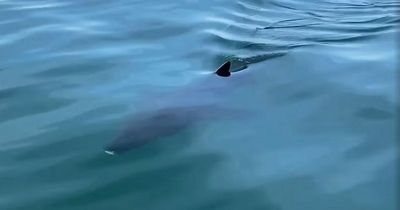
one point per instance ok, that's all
(178, 111)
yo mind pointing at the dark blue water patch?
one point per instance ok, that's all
(156, 32)
(357, 30)
(84, 68)
(346, 112)
(254, 198)
(32, 99)
(372, 113)
(375, 144)
(292, 188)
(339, 39)
(164, 183)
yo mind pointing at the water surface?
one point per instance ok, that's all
(72, 73)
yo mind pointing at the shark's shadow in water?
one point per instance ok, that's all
(177, 112)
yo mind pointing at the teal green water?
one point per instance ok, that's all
(322, 104)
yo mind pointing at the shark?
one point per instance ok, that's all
(166, 116)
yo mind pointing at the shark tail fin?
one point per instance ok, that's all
(224, 70)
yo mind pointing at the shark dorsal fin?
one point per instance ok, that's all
(223, 70)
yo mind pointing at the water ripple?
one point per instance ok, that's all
(258, 24)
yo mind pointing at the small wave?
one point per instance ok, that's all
(299, 24)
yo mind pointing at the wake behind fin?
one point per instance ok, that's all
(224, 70)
